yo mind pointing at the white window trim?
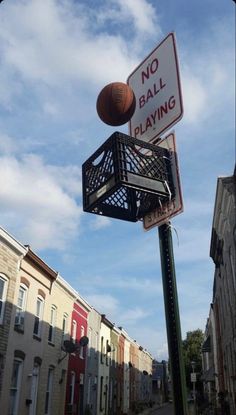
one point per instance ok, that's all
(49, 391)
(20, 310)
(4, 296)
(64, 328)
(74, 331)
(89, 341)
(81, 352)
(18, 384)
(40, 316)
(72, 386)
(89, 389)
(52, 323)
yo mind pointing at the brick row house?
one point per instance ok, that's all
(58, 355)
(219, 348)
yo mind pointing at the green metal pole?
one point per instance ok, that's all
(172, 320)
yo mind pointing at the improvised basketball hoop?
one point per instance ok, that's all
(122, 181)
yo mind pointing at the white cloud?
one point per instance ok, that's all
(48, 42)
(194, 97)
(105, 304)
(140, 13)
(143, 285)
(100, 222)
(132, 316)
(36, 198)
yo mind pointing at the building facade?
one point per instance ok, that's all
(223, 253)
(92, 362)
(11, 255)
(75, 391)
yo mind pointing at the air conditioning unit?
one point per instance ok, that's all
(19, 321)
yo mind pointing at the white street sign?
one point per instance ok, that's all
(174, 206)
(156, 85)
(193, 377)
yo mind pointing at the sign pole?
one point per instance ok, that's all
(172, 320)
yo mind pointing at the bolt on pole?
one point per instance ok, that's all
(172, 320)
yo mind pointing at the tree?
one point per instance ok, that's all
(192, 353)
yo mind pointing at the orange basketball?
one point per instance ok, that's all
(116, 103)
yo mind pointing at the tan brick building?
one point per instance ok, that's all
(37, 318)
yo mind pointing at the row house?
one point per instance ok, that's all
(36, 326)
(92, 362)
(219, 348)
(75, 345)
(58, 355)
(11, 254)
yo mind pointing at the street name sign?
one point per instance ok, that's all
(156, 85)
(163, 213)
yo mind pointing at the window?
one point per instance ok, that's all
(101, 393)
(102, 349)
(81, 353)
(52, 324)
(72, 388)
(89, 341)
(21, 306)
(34, 389)
(96, 344)
(3, 294)
(48, 398)
(38, 316)
(89, 390)
(74, 331)
(15, 386)
(107, 357)
(64, 327)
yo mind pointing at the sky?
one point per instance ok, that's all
(55, 57)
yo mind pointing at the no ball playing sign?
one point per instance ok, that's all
(156, 85)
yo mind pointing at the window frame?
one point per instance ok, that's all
(21, 309)
(81, 352)
(89, 341)
(64, 330)
(72, 388)
(5, 280)
(49, 390)
(38, 318)
(14, 409)
(74, 330)
(52, 324)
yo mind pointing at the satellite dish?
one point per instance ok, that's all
(84, 341)
(69, 346)
(108, 348)
(145, 372)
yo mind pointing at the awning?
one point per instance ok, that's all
(206, 347)
(209, 375)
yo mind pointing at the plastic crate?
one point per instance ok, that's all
(126, 178)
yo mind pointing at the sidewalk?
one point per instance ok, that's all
(155, 407)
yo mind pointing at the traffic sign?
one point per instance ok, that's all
(193, 377)
(163, 213)
(156, 85)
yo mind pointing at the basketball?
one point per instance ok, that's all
(116, 103)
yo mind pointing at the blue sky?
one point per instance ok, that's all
(56, 56)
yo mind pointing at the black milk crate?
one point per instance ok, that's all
(126, 178)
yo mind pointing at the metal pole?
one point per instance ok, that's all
(194, 387)
(172, 320)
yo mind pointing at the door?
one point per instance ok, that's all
(34, 390)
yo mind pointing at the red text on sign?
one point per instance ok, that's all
(155, 116)
(150, 70)
(157, 87)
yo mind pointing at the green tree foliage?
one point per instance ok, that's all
(192, 353)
